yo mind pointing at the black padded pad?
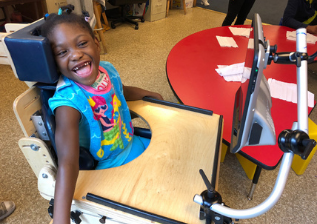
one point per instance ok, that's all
(32, 55)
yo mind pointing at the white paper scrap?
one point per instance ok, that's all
(234, 73)
(287, 91)
(239, 31)
(226, 41)
(291, 35)
(251, 43)
(233, 69)
(246, 74)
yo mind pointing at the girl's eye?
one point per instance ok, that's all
(83, 43)
(61, 53)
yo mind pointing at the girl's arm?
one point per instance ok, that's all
(134, 93)
(67, 145)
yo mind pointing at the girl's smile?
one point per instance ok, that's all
(83, 69)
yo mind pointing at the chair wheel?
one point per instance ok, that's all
(142, 20)
(113, 26)
(136, 27)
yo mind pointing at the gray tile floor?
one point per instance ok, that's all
(140, 57)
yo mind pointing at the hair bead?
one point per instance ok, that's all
(60, 11)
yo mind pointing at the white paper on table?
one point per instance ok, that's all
(225, 70)
(251, 43)
(226, 41)
(287, 91)
(291, 35)
(239, 31)
(235, 72)
(246, 74)
(233, 78)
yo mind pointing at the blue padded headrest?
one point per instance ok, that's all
(32, 55)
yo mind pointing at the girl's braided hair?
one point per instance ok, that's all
(66, 16)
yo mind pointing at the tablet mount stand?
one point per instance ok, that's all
(295, 141)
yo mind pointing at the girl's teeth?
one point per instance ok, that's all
(76, 68)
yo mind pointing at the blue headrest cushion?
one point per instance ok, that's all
(32, 55)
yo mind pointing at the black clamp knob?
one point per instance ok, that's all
(206, 199)
(50, 209)
(296, 141)
(103, 219)
(74, 216)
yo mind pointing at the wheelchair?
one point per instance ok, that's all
(156, 187)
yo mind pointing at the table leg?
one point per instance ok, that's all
(254, 182)
(107, 27)
(184, 6)
(99, 27)
(36, 10)
(7, 14)
(43, 7)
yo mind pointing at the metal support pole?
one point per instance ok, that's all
(302, 98)
(255, 180)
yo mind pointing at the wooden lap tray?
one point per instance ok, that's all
(165, 178)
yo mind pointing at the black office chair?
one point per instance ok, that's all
(125, 5)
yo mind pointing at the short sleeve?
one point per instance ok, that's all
(57, 101)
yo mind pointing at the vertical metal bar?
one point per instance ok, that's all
(302, 98)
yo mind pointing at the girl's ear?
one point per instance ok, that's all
(97, 43)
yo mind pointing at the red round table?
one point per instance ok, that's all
(191, 73)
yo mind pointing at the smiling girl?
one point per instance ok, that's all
(87, 89)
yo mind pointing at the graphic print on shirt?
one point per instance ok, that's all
(105, 107)
(99, 107)
(102, 83)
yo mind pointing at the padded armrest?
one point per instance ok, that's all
(143, 132)
(32, 55)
